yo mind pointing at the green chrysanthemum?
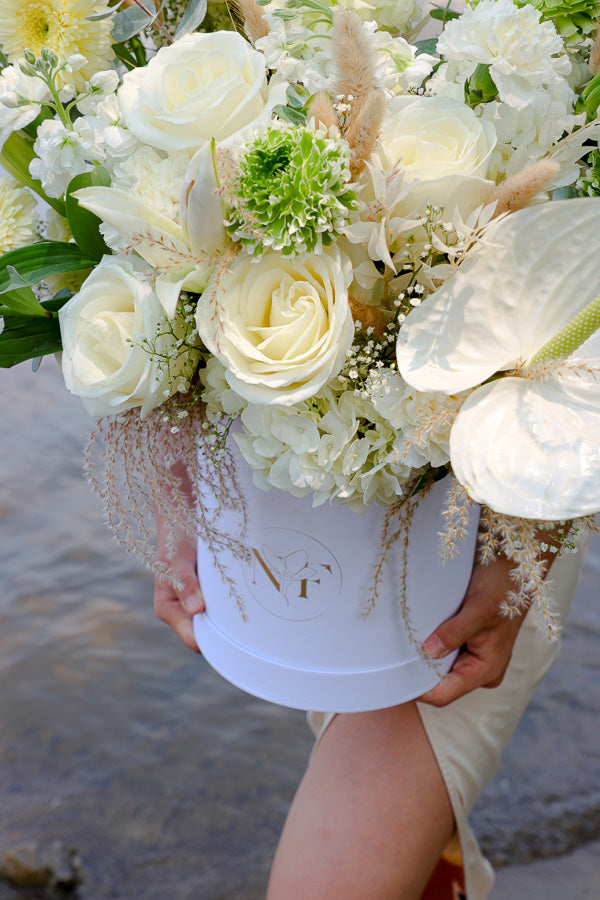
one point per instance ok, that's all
(293, 192)
(574, 19)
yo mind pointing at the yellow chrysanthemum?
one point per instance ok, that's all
(60, 25)
(17, 208)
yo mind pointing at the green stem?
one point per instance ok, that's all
(15, 158)
(572, 335)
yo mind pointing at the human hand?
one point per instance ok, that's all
(485, 635)
(176, 605)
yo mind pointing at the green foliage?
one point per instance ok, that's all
(15, 158)
(30, 337)
(480, 86)
(84, 225)
(38, 261)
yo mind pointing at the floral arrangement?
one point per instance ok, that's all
(376, 253)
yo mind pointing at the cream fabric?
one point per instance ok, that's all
(469, 736)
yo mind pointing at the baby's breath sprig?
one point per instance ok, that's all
(216, 433)
(366, 357)
(176, 347)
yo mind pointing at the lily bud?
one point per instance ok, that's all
(200, 210)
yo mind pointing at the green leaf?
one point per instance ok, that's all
(22, 301)
(296, 96)
(15, 157)
(444, 14)
(129, 22)
(124, 54)
(84, 225)
(38, 261)
(428, 45)
(28, 337)
(192, 18)
(294, 116)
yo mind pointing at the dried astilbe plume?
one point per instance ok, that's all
(522, 541)
(456, 517)
(131, 464)
(519, 190)
(253, 17)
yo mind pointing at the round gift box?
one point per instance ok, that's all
(305, 639)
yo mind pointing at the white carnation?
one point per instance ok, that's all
(522, 52)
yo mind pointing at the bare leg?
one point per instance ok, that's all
(371, 817)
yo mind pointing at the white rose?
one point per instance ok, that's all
(281, 326)
(201, 87)
(440, 148)
(102, 329)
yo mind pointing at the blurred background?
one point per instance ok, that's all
(130, 771)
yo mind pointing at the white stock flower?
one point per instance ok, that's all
(21, 97)
(201, 87)
(17, 215)
(60, 155)
(106, 133)
(65, 27)
(526, 444)
(102, 329)
(99, 87)
(281, 326)
(522, 52)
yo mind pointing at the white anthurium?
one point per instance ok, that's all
(157, 239)
(524, 302)
(200, 205)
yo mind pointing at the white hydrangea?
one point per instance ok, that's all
(423, 420)
(217, 395)
(334, 447)
(523, 53)
(61, 153)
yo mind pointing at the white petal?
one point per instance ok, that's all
(536, 270)
(157, 239)
(531, 448)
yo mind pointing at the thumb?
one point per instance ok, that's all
(456, 631)
(189, 591)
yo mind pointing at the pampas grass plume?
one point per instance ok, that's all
(321, 110)
(255, 24)
(354, 56)
(363, 130)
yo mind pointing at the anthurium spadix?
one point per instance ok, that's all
(157, 239)
(522, 307)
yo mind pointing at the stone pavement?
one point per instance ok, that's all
(572, 877)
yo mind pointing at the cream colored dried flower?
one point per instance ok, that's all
(17, 222)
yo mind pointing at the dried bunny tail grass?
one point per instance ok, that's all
(363, 130)
(456, 516)
(253, 17)
(130, 464)
(520, 189)
(321, 110)
(368, 316)
(354, 57)
(594, 60)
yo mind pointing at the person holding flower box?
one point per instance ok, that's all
(329, 291)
